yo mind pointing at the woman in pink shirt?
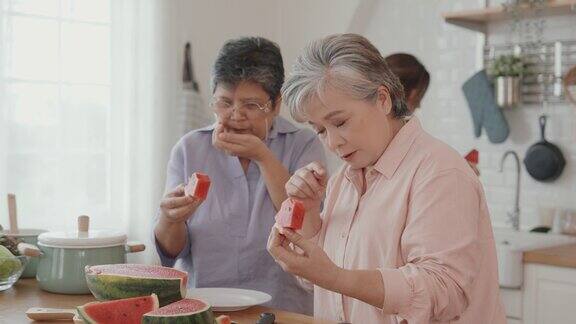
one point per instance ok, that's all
(404, 234)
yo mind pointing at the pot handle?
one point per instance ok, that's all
(542, 122)
(133, 247)
(29, 250)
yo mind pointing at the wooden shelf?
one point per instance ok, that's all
(477, 19)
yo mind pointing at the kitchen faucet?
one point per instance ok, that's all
(514, 215)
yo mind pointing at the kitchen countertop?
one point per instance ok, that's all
(560, 256)
(26, 294)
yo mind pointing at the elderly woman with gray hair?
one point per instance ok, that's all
(249, 154)
(404, 234)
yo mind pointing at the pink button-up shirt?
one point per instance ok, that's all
(423, 222)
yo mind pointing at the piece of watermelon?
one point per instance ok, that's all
(117, 281)
(198, 185)
(472, 156)
(291, 214)
(189, 311)
(122, 311)
(223, 319)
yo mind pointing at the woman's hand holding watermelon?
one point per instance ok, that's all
(308, 184)
(177, 207)
(309, 262)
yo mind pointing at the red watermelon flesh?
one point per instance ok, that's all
(185, 306)
(190, 310)
(223, 319)
(472, 157)
(198, 185)
(121, 311)
(291, 214)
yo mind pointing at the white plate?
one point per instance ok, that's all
(229, 299)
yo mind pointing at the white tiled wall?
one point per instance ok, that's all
(452, 54)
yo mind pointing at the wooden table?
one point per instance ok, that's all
(560, 256)
(25, 294)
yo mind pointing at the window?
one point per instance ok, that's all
(55, 108)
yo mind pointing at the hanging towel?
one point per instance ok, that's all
(483, 108)
(194, 113)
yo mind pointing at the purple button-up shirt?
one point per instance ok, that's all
(227, 234)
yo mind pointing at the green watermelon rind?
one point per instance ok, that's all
(203, 316)
(89, 320)
(85, 316)
(112, 286)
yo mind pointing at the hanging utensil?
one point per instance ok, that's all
(544, 161)
(193, 113)
(188, 79)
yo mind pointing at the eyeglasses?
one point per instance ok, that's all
(223, 105)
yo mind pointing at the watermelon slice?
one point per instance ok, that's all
(472, 157)
(223, 319)
(192, 311)
(122, 311)
(198, 185)
(118, 281)
(291, 214)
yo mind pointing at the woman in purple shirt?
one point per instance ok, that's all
(249, 154)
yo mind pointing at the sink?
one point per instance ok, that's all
(510, 246)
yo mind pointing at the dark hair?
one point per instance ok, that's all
(410, 71)
(254, 59)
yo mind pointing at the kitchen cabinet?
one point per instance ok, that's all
(549, 294)
(512, 301)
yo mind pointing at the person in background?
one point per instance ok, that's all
(249, 154)
(412, 74)
(404, 235)
(415, 80)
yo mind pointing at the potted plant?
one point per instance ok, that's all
(507, 72)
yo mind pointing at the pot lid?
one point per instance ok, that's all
(90, 239)
(83, 237)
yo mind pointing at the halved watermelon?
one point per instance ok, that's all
(117, 281)
(291, 214)
(190, 311)
(198, 185)
(122, 311)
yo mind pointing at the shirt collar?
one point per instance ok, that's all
(393, 155)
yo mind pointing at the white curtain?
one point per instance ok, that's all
(90, 97)
(146, 99)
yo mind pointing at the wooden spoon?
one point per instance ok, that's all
(53, 314)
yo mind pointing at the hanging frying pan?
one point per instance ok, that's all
(544, 161)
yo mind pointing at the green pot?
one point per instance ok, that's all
(28, 236)
(65, 255)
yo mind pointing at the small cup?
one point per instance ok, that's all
(546, 215)
(559, 220)
(569, 222)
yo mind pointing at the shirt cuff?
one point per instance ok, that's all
(397, 291)
(168, 261)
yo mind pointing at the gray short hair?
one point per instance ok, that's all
(347, 62)
(254, 59)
